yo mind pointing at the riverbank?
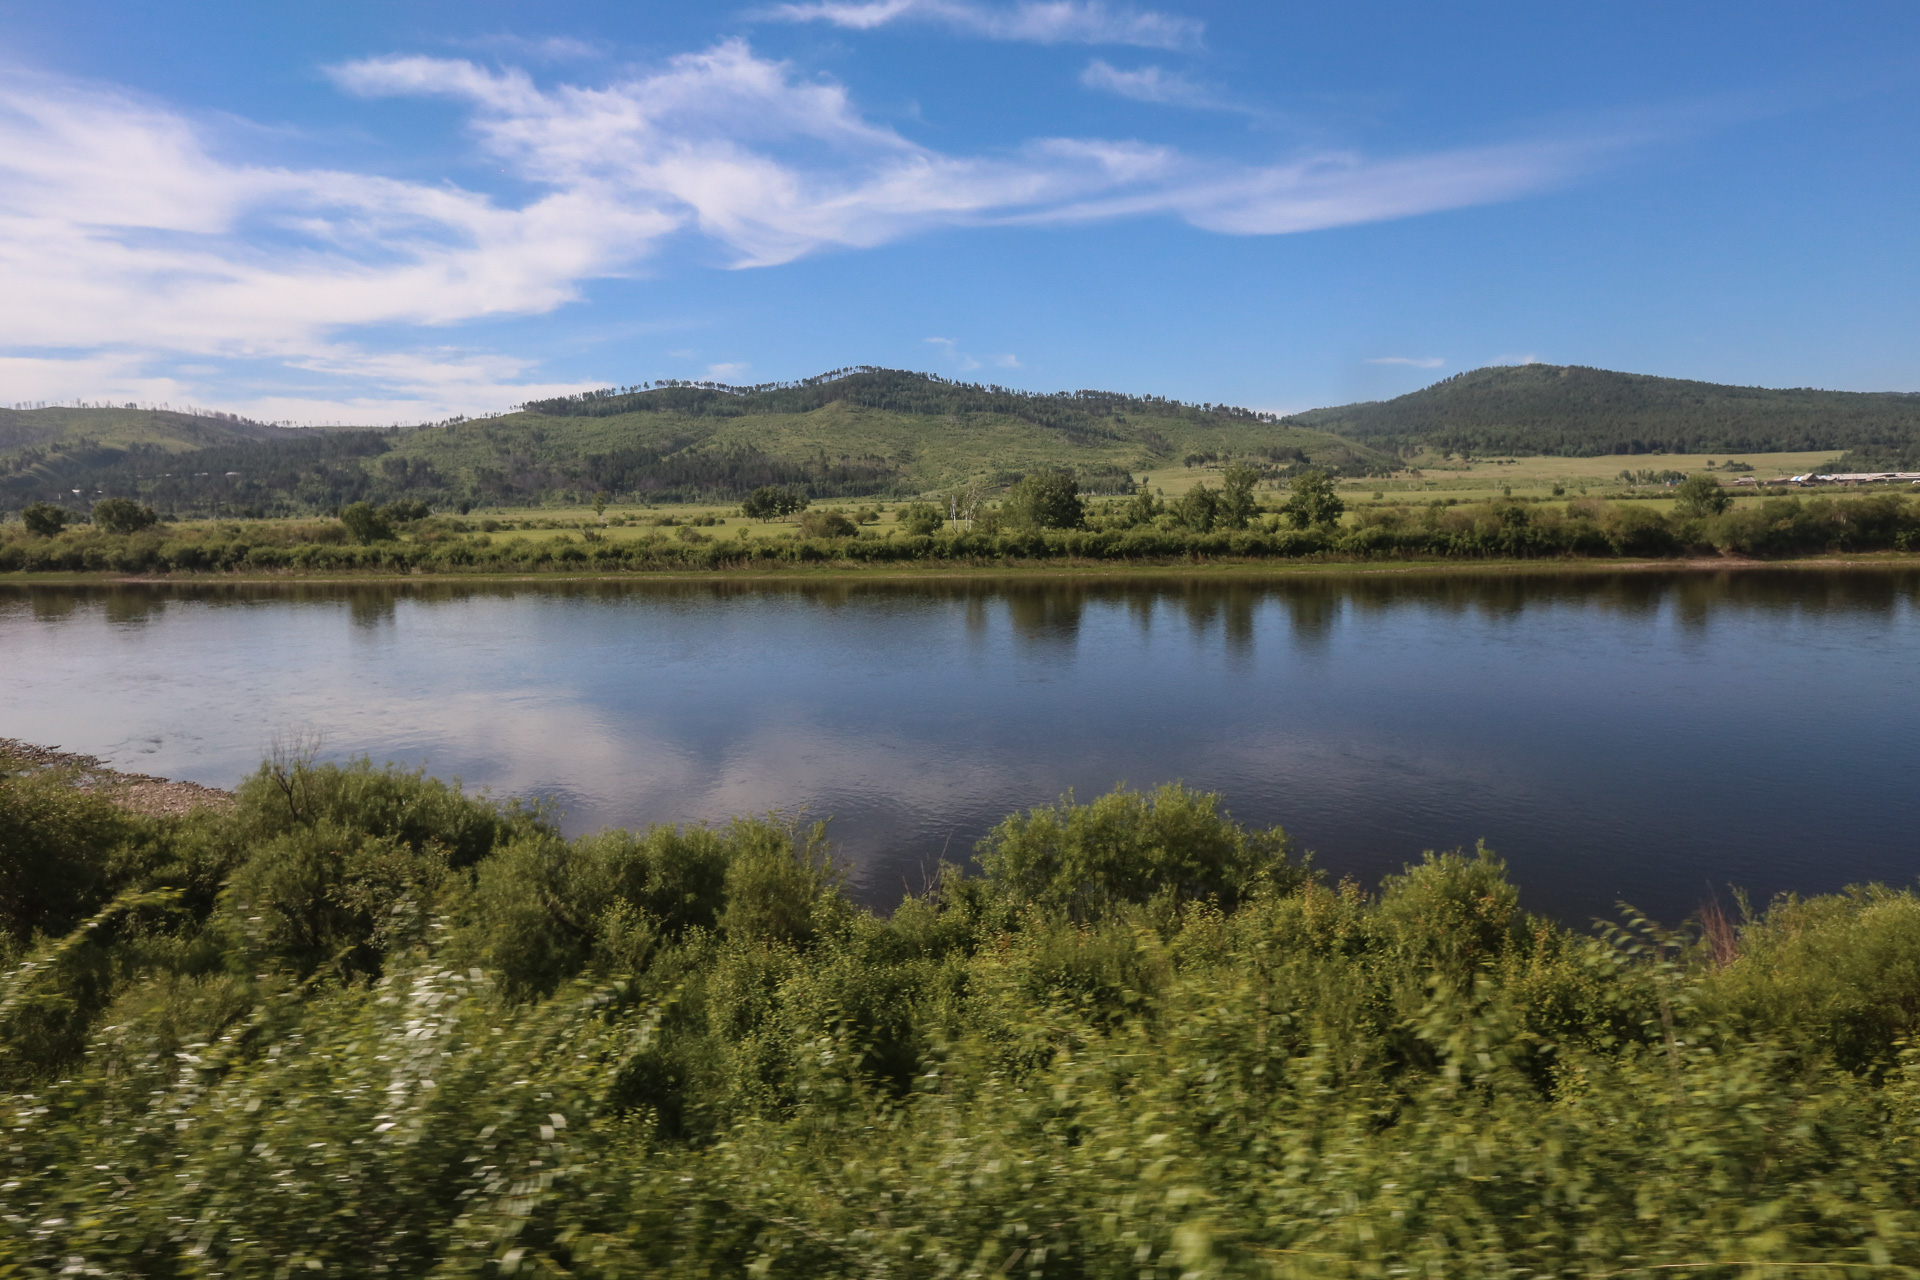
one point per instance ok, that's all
(1774, 530)
(1007, 571)
(138, 793)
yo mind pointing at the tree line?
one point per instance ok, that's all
(1031, 526)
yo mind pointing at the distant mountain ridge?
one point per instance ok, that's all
(1574, 411)
(851, 433)
(59, 427)
(870, 432)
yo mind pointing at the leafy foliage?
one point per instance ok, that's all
(1313, 502)
(123, 515)
(771, 502)
(828, 523)
(420, 1033)
(366, 524)
(921, 519)
(1141, 530)
(1701, 496)
(1044, 500)
(44, 519)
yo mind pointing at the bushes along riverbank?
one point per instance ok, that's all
(362, 1024)
(1772, 528)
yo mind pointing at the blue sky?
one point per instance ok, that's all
(381, 212)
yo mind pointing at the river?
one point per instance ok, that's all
(1651, 737)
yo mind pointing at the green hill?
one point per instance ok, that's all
(852, 433)
(1571, 411)
(58, 429)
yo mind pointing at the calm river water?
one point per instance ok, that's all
(1640, 736)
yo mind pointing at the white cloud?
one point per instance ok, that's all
(956, 358)
(1412, 362)
(1510, 358)
(966, 363)
(1151, 84)
(542, 49)
(730, 369)
(127, 243)
(1038, 21)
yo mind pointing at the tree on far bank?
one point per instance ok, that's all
(1702, 496)
(921, 519)
(1237, 503)
(122, 515)
(1045, 500)
(1313, 501)
(1198, 509)
(44, 519)
(772, 502)
(364, 523)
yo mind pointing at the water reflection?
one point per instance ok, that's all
(1637, 735)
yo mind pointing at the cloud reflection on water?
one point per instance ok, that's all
(1630, 734)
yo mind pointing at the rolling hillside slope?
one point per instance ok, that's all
(866, 431)
(1571, 411)
(855, 433)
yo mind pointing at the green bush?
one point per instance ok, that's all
(921, 519)
(57, 854)
(43, 519)
(1171, 846)
(419, 1033)
(123, 515)
(366, 524)
(1044, 500)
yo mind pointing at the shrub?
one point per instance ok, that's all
(1313, 501)
(1044, 500)
(1700, 496)
(122, 515)
(921, 519)
(1170, 845)
(57, 846)
(771, 502)
(44, 519)
(831, 523)
(365, 524)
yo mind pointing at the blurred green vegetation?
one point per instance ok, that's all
(364, 1024)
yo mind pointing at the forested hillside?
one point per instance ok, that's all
(1570, 411)
(885, 433)
(850, 434)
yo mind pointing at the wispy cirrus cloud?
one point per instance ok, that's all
(1411, 362)
(1152, 84)
(128, 242)
(965, 363)
(1035, 21)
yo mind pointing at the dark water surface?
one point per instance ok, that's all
(1638, 736)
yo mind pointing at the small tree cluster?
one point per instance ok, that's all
(122, 515)
(773, 502)
(1045, 500)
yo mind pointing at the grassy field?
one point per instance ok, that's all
(1483, 479)
(1454, 481)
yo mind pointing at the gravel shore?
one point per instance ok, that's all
(136, 792)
